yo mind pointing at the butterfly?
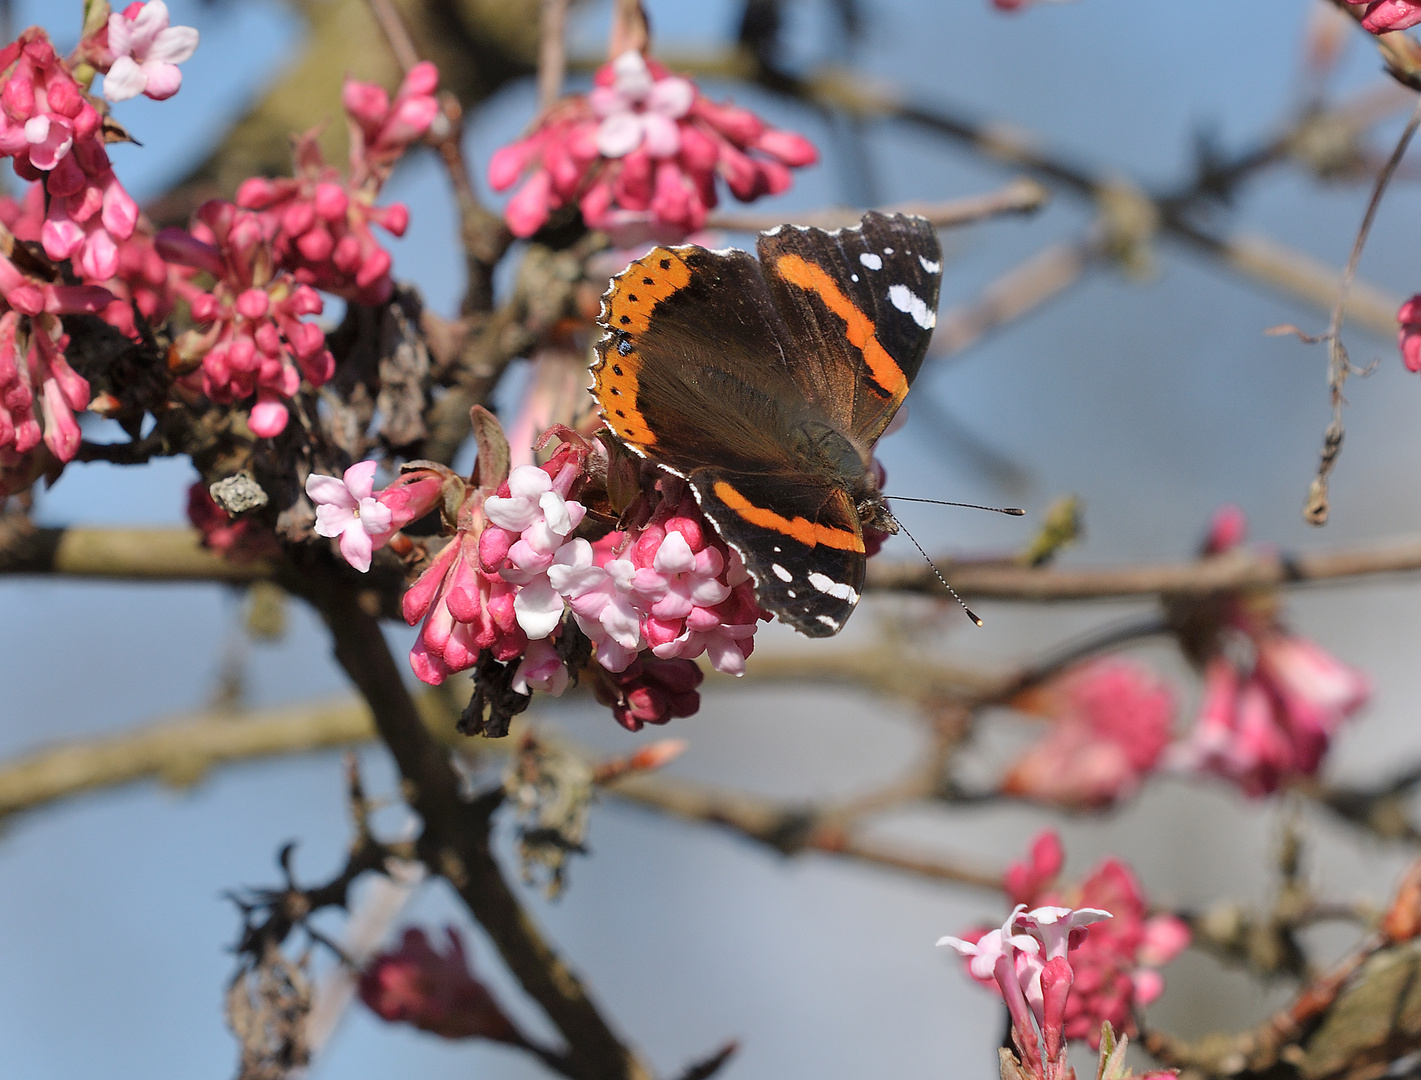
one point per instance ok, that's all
(765, 383)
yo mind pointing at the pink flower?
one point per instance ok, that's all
(640, 156)
(146, 52)
(1112, 968)
(250, 338)
(1112, 720)
(600, 598)
(345, 508)
(1384, 16)
(1409, 337)
(540, 669)
(649, 690)
(1315, 691)
(434, 991)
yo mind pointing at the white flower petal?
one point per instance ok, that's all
(333, 520)
(174, 45)
(125, 79)
(538, 608)
(528, 482)
(619, 134)
(329, 491)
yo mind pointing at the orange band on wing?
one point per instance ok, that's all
(805, 531)
(858, 327)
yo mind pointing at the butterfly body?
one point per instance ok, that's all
(765, 385)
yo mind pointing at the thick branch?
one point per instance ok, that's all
(455, 842)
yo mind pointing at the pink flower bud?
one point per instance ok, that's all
(253, 303)
(787, 147)
(394, 219)
(529, 208)
(366, 102)
(331, 201)
(315, 243)
(423, 78)
(298, 216)
(268, 417)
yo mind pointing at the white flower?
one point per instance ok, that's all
(540, 669)
(993, 946)
(147, 52)
(639, 110)
(1052, 926)
(346, 508)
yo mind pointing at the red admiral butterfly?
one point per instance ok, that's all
(765, 385)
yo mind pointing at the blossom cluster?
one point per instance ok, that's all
(1272, 703)
(1272, 700)
(640, 155)
(320, 221)
(1110, 971)
(515, 577)
(250, 339)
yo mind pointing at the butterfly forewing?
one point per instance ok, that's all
(860, 305)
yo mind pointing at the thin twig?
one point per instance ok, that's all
(393, 27)
(1021, 196)
(1339, 366)
(552, 52)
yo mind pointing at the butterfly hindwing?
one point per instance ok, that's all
(860, 305)
(799, 537)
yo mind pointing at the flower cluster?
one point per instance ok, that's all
(1111, 721)
(1028, 959)
(1409, 336)
(1384, 16)
(320, 222)
(250, 338)
(434, 991)
(515, 577)
(1112, 969)
(1272, 700)
(640, 156)
(39, 391)
(52, 133)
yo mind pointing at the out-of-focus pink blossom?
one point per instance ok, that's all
(1384, 16)
(1409, 337)
(320, 221)
(250, 336)
(640, 156)
(1111, 722)
(1273, 701)
(346, 509)
(146, 52)
(1025, 881)
(416, 984)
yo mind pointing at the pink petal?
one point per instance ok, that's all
(152, 20)
(671, 97)
(162, 80)
(268, 416)
(355, 546)
(620, 134)
(662, 135)
(124, 80)
(329, 491)
(359, 479)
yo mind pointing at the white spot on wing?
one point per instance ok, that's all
(781, 572)
(777, 549)
(930, 266)
(791, 593)
(872, 261)
(909, 302)
(853, 277)
(830, 623)
(774, 232)
(888, 251)
(827, 585)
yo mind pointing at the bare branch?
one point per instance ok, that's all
(1021, 196)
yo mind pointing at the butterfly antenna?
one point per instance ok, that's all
(937, 573)
(1014, 511)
